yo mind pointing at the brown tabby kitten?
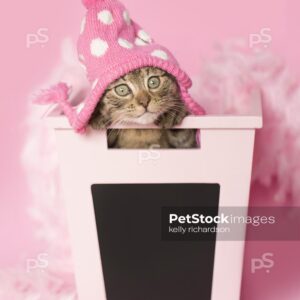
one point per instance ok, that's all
(145, 96)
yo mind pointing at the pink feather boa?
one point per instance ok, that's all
(225, 85)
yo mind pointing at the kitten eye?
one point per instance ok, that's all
(122, 90)
(153, 82)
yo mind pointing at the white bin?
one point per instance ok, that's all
(225, 157)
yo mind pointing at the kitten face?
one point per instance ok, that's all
(140, 97)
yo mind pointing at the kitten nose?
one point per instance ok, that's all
(143, 99)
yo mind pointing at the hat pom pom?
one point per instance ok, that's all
(89, 3)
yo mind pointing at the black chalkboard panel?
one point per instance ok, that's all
(138, 264)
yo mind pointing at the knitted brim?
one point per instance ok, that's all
(114, 72)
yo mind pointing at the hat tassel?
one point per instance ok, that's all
(58, 94)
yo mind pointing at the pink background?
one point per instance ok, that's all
(205, 23)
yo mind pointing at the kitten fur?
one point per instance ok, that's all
(145, 96)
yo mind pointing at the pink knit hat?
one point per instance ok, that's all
(111, 45)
